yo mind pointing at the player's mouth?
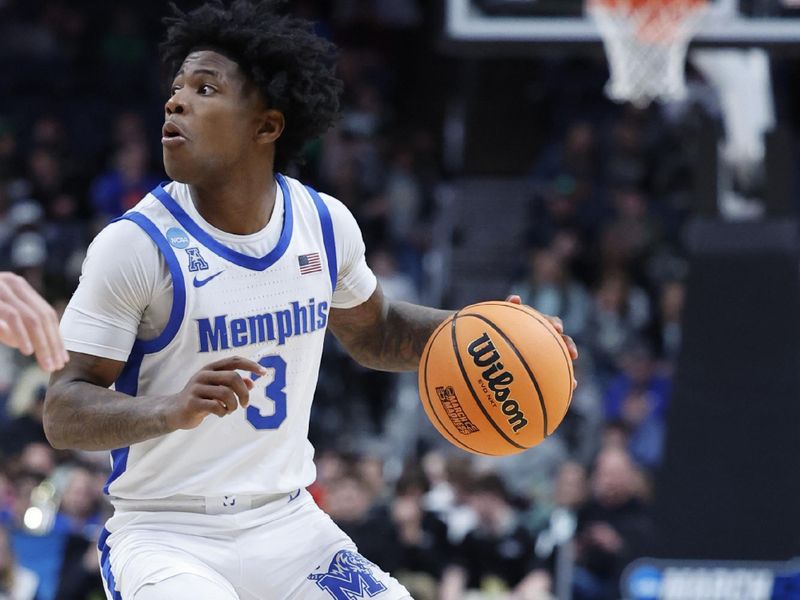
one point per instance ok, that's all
(172, 135)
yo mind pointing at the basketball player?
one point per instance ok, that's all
(28, 323)
(205, 307)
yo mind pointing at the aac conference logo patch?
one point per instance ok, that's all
(177, 238)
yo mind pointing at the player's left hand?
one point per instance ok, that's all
(559, 327)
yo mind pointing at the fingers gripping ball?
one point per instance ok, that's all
(496, 378)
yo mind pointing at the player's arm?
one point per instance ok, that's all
(390, 336)
(378, 332)
(384, 334)
(80, 411)
(100, 326)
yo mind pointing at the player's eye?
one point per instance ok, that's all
(174, 90)
(205, 90)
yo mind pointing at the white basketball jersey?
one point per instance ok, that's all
(273, 310)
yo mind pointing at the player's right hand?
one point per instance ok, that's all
(28, 323)
(216, 389)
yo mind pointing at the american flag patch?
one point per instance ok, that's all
(309, 263)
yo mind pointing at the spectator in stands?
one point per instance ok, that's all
(620, 314)
(48, 133)
(549, 287)
(351, 504)
(370, 470)
(527, 476)
(23, 216)
(394, 283)
(498, 555)
(406, 203)
(571, 490)
(28, 257)
(581, 429)
(38, 545)
(46, 174)
(451, 480)
(421, 538)
(638, 398)
(565, 202)
(26, 404)
(612, 528)
(37, 460)
(128, 126)
(631, 236)
(80, 503)
(80, 573)
(570, 495)
(80, 515)
(628, 156)
(125, 184)
(576, 154)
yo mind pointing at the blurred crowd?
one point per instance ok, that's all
(80, 112)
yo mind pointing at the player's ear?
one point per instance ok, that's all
(270, 127)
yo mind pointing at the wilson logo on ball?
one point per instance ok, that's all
(485, 355)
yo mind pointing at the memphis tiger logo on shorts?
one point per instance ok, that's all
(349, 576)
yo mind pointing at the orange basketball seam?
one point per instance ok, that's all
(524, 364)
(543, 322)
(428, 394)
(472, 389)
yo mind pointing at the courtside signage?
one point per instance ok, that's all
(652, 579)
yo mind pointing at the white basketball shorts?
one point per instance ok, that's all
(288, 549)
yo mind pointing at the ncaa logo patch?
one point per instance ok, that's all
(350, 576)
(177, 238)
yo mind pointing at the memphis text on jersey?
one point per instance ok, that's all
(223, 333)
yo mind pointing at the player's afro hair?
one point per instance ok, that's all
(291, 66)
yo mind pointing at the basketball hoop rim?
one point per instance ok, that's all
(638, 5)
(646, 43)
(652, 21)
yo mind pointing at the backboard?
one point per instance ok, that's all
(729, 22)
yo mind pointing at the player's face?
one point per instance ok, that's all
(212, 119)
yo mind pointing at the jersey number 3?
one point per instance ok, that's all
(275, 391)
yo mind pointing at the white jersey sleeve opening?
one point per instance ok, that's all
(355, 282)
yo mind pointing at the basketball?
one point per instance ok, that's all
(496, 378)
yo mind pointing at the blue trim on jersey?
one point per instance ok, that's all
(327, 236)
(105, 565)
(248, 262)
(178, 286)
(119, 462)
(128, 380)
(127, 383)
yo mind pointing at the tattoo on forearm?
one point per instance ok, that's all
(81, 412)
(103, 419)
(405, 333)
(385, 335)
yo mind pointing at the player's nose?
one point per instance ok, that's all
(175, 105)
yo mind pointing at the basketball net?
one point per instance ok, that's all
(646, 42)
